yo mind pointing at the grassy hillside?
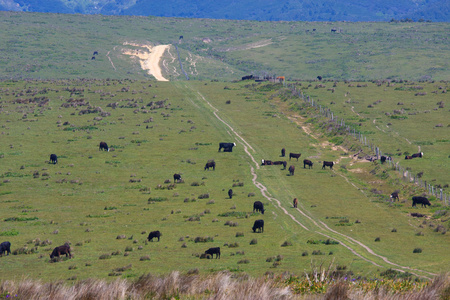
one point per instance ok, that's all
(105, 203)
(50, 46)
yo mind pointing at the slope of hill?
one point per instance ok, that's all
(265, 10)
(44, 46)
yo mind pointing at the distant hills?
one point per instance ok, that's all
(262, 10)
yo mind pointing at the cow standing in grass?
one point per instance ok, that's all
(5, 247)
(394, 196)
(58, 251)
(103, 146)
(176, 177)
(230, 193)
(420, 200)
(212, 251)
(307, 162)
(258, 206)
(53, 159)
(227, 147)
(283, 152)
(328, 164)
(258, 226)
(291, 170)
(295, 202)
(210, 164)
(154, 234)
(294, 155)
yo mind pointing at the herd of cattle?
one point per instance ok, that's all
(258, 206)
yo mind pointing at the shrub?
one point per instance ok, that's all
(394, 230)
(233, 245)
(128, 249)
(286, 243)
(121, 237)
(244, 261)
(105, 256)
(305, 253)
(239, 234)
(254, 242)
(377, 239)
(146, 257)
(203, 196)
(417, 250)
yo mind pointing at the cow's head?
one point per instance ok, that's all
(234, 144)
(421, 154)
(262, 161)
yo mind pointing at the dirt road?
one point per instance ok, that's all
(149, 58)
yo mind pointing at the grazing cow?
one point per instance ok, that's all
(307, 162)
(227, 147)
(230, 193)
(154, 234)
(95, 53)
(420, 154)
(394, 196)
(53, 158)
(93, 58)
(294, 155)
(176, 177)
(58, 251)
(212, 251)
(420, 200)
(408, 157)
(266, 162)
(259, 224)
(291, 170)
(5, 247)
(103, 146)
(383, 159)
(295, 202)
(258, 206)
(283, 152)
(210, 164)
(319, 77)
(280, 162)
(328, 164)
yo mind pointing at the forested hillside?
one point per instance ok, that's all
(264, 10)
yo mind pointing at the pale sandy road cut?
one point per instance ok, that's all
(149, 60)
(321, 225)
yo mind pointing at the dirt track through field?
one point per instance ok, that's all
(150, 58)
(319, 224)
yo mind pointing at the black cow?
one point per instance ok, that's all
(408, 157)
(58, 251)
(283, 152)
(420, 200)
(294, 155)
(307, 162)
(212, 251)
(295, 202)
(280, 162)
(53, 159)
(176, 177)
(259, 224)
(95, 53)
(328, 164)
(210, 164)
(103, 146)
(394, 196)
(93, 58)
(258, 206)
(248, 77)
(5, 247)
(266, 162)
(420, 154)
(154, 234)
(230, 193)
(291, 170)
(227, 147)
(319, 77)
(383, 159)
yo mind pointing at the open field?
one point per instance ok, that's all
(105, 203)
(50, 46)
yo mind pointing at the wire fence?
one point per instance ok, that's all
(406, 174)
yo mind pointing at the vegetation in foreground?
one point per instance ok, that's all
(225, 285)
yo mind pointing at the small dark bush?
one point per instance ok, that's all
(417, 250)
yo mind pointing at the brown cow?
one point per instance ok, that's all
(294, 155)
(295, 202)
(58, 251)
(291, 170)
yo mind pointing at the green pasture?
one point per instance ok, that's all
(50, 46)
(398, 117)
(91, 197)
